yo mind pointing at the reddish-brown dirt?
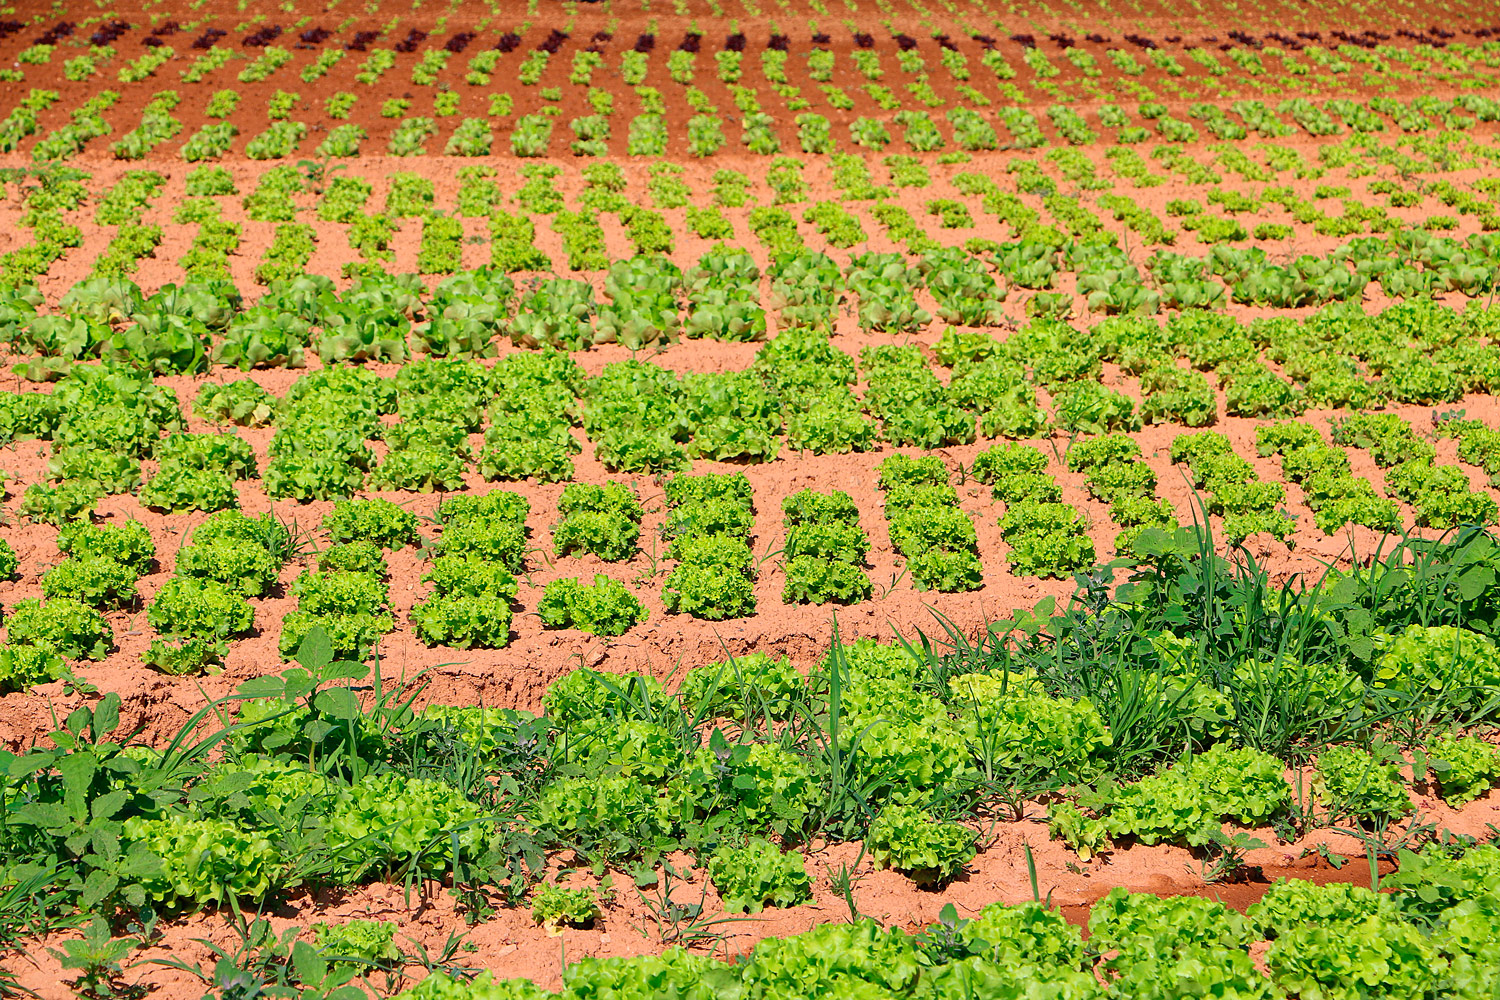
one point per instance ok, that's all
(664, 646)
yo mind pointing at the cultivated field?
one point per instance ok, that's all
(763, 500)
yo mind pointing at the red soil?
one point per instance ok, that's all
(509, 943)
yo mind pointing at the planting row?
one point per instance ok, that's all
(1340, 357)
(866, 84)
(961, 130)
(1131, 721)
(1324, 940)
(104, 421)
(1050, 233)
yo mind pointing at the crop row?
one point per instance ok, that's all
(866, 72)
(1417, 352)
(963, 130)
(104, 421)
(1405, 256)
(1324, 939)
(1414, 352)
(1127, 719)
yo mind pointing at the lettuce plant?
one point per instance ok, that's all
(927, 851)
(339, 592)
(1464, 767)
(605, 607)
(188, 657)
(1368, 956)
(62, 503)
(239, 563)
(1445, 664)
(555, 907)
(758, 874)
(67, 627)
(1291, 903)
(204, 860)
(193, 607)
(360, 557)
(1357, 783)
(602, 520)
(97, 581)
(463, 621)
(351, 636)
(224, 452)
(1139, 925)
(368, 942)
(387, 820)
(23, 665)
(180, 488)
(749, 682)
(240, 402)
(588, 694)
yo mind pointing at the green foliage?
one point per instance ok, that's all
(911, 841)
(350, 636)
(367, 942)
(1178, 395)
(609, 814)
(203, 860)
(822, 960)
(96, 581)
(9, 560)
(927, 526)
(244, 553)
(240, 402)
(1443, 665)
(321, 593)
(1464, 767)
(195, 608)
(1139, 925)
(1343, 960)
(555, 907)
(23, 666)
(743, 684)
(1086, 407)
(1031, 934)
(757, 874)
(602, 520)
(482, 546)
(1028, 734)
(1188, 801)
(179, 488)
(588, 694)
(225, 452)
(732, 416)
(712, 581)
(885, 289)
(461, 573)
(463, 620)
(387, 820)
(1292, 903)
(1354, 782)
(708, 522)
(825, 549)
(381, 522)
(361, 557)
(491, 527)
(605, 607)
(67, 627)
(188, 657)
(1046, 538)
(1015, 475)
